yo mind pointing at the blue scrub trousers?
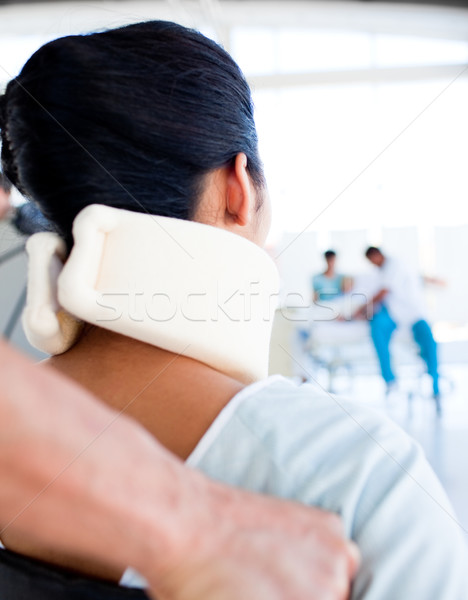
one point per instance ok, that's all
(382, 327)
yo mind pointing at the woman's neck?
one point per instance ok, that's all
(176, 398)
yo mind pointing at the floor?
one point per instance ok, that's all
(444, 438)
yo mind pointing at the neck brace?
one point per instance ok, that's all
(183, 286)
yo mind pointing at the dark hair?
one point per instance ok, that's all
(329, 254)
(133, 118)
(4, 183)
(372, 250)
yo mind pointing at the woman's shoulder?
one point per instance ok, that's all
(303, 432)
(335, 452)
(310, 413)
(301, 443)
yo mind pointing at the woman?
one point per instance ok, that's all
(164, 303)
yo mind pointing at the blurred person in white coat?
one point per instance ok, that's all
(399, 303)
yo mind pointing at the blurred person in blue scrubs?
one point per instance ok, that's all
(399, 303)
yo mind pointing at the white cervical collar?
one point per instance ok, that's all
(183, 286)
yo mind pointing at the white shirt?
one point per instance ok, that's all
(303, 444)
(404, 301)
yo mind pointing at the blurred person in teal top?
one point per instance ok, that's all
(329, 285)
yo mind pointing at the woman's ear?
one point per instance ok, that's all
(240, 196)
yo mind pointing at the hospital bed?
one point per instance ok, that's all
(330, 343)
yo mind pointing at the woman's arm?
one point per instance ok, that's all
(80, 479)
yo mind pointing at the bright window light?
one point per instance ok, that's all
(396, 51)
(353, 155)
(305, 50)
